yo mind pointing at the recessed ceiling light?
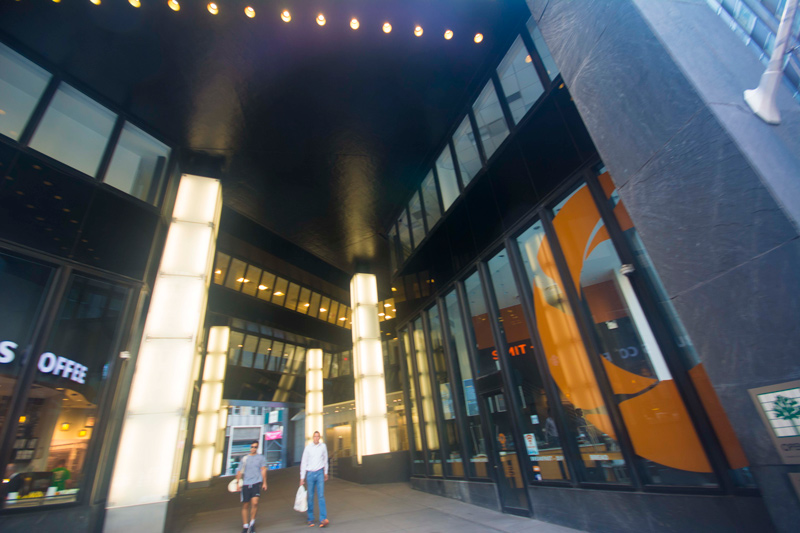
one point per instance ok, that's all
(381, 314)
(478, 37)
(95, 2)
(387, 305)
(286, 16)
(174, 5)
(279, 293)
(448, 34)
(218, 272)
(388, 317)
(250, 12)
(418, 31)
(322, 309)
(213, 8)
(262, 287)
(354, 24)
(135, 3)
(321, 19)
(387, 28)
(306, 305)
(528, 59)
(343, 318)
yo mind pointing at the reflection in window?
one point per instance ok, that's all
(279, 294)
(444, 395)
(253, 276)
(417, 455)
(292, 296)
(262, 354)
(393, 247)
(324, 308)
(430, 199)
(542, 438)
(221, 267)
(521, 83)
(313, 306)
(276, 353)
(405, 234)
(448, 183)
(74, 130)
(462, 371)
(304, 301)
(235, 349)
(332, 312)
(341, 316)
(469, 160)
(417, 223)
(249, 351)
(236, 277)
(266, 286)
(490, 120)
(138, 165)
(481, 327)
(21, 85)
(60, 416)
(426, 399)
(544, 51)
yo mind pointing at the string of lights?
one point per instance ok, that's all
(286, 16)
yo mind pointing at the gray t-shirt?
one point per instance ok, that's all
(252, 468)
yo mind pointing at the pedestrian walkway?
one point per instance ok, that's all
(353, 508)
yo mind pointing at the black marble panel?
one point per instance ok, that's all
(484, 216)
(625, 512)
(744, 326)
(631, 95)
(513, 190)
(480, 494)
(572, 29)
(700, 209)
(777, 489)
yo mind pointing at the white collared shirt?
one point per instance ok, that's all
(315, 457)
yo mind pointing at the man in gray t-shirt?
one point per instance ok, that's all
(253, 468)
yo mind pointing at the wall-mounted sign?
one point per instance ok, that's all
(530, 444)
(779, 408)
(273, 435)
(49, 363)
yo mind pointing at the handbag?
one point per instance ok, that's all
(301, 500)
(235, 485)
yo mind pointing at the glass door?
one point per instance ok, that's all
(510, 482)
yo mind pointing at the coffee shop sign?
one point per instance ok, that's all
(49, 363)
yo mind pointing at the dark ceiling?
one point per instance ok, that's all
(325, 130)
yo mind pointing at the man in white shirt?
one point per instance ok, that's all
(314, 468)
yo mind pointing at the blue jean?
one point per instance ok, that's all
(315, 481)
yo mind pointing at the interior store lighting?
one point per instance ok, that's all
(135, 3)
(354, 24)
(65, 426)
(478, 37)
(208, 438)
(372, 426)
(174, 5)
(286, 16)
(448, 34)
(418, 31)
(387, 28)
(250, 12)
(154, 428)
(321, 19)
(95, 2)
(314, 407)
(213, 8)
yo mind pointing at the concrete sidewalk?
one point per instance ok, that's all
(351, 507)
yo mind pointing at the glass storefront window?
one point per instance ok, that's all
(74, 130)
(333, 311)
(448, 183)
(469, 159)
(50, 452)
(313, 306)
(21, 85)
(324, 308)
(393, 247)
(658, 423)
(405, 234)
(266, 287)
(542, 49)
(138, 165)
(417, 223)
(417, 455)
(249, 351)
(24, 285)
(221, 267)
(451, 443)
(236, 344)
(426, 399)
(521, 83)
(586, 420)
(541, 445)
(485, 350)
(490, 120)
(476, 447)
(279, 294)
(341, 317)
(276, 353)
(262, 355)
(430, 198)
(719, 419)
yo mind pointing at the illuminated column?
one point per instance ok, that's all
(372, 426)
(206, 458)
(314, 419)
(154, 428)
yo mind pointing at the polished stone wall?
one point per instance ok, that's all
(713, 191)
(481, 494)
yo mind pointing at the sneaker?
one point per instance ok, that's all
(311, 524)
(252, 529)
(246, 529)
(324, 523)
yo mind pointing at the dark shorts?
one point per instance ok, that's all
(250, 491)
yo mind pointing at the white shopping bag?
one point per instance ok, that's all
(301, 500)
